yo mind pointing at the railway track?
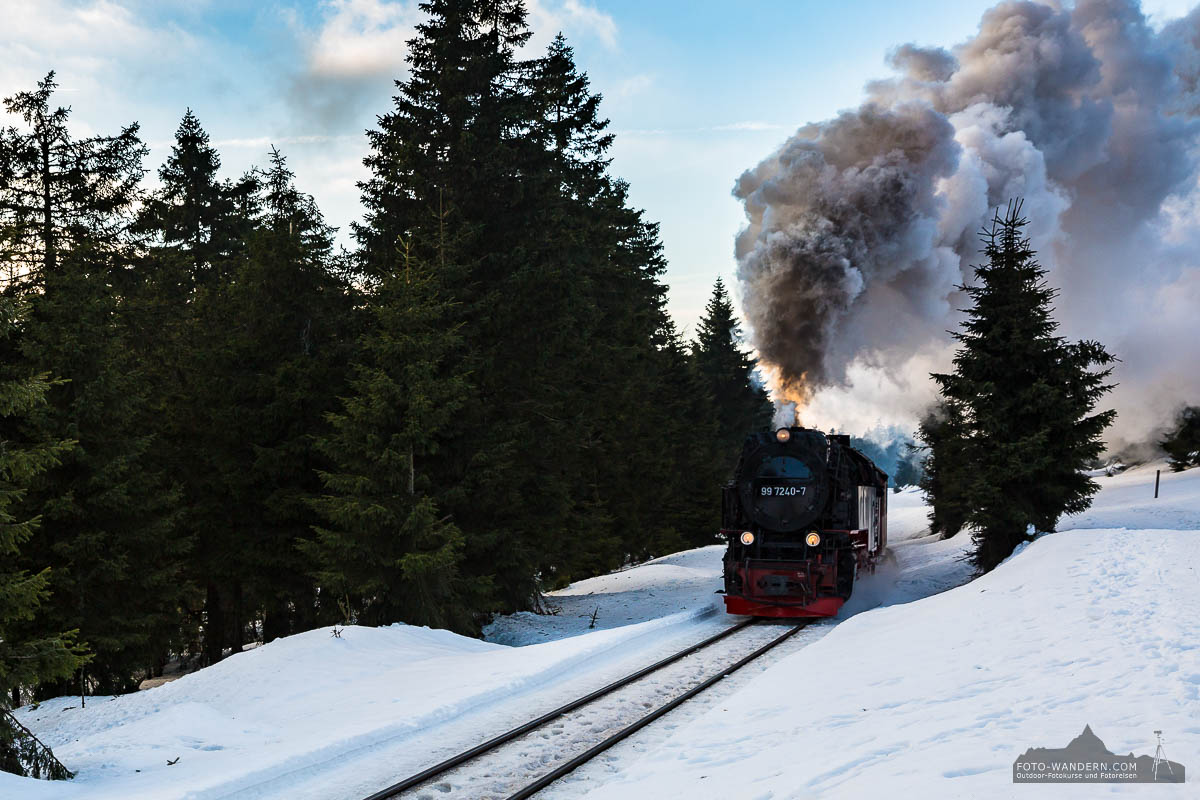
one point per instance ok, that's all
(482, 782)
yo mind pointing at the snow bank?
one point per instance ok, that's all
(907, 516)
(936, 698)
(1097, 625)
(289, 705)
(1127, 501)
(680, 583)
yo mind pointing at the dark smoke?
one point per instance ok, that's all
(859, 228)
(842, 205)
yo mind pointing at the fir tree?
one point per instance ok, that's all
(285, 370)
(945, 473)
(385, 546)
(1025, 397)
(555, 288)
(727, 373)
(197, 228)
(193, 216)
(454, 152)
(108, 515)
(1183, 442)
(29, 659)
(907, 473)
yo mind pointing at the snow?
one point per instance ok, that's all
(255, 719)
(938, 696)
(1127, 501)
(684, 582)
(926, 685)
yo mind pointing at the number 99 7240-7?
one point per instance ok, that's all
(782, 491)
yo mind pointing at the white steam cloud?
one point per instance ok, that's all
(860, 228)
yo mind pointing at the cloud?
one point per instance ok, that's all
(362, 38)
(749, 125)
(861, 228)
(266, 142)
(91, 46)
(571, 17)
(358, 48)
(1162, 12)
(633, 86)
(349, 60)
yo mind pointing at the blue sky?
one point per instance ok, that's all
(697, 91)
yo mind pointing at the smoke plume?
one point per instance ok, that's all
(860, 228)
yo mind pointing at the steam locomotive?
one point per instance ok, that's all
(804, 514)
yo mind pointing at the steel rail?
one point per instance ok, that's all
(465, 756)
(583, 758)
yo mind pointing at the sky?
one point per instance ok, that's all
(697, 91)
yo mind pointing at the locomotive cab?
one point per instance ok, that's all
(804, 513)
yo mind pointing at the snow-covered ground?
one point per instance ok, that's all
(1096, 625)
(683, 583)
(924, 687)
(263, 722)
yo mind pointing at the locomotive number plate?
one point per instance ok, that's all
(781, 490)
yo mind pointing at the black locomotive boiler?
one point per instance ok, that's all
(804, 514)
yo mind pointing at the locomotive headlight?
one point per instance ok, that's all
(813, 539)
(747, 538)
(783, 434)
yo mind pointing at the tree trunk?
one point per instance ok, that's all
(49, 257)
(239, 623)
(304, 614)
(214, 625)
(275, 621)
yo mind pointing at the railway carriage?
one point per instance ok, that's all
(804, 514)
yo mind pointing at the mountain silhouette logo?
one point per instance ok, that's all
(1086, 759)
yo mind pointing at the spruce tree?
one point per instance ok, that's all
(908, 473)
(1025, 397)
(285, 369)
(472, 143)
(108, 513)
(556, 285)
(60, 191)
(448, 141)
(567, 125)
(643, 410)
(384, 546)
(727, 373)
(196, 228)
(1182, 444)
(193, 217)
(26, 658)
(946, 475)
(684, 507)
(453, 152)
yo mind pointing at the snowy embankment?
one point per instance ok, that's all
(683, 584)
(280, 713)
(931, 698)
(936, 698)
